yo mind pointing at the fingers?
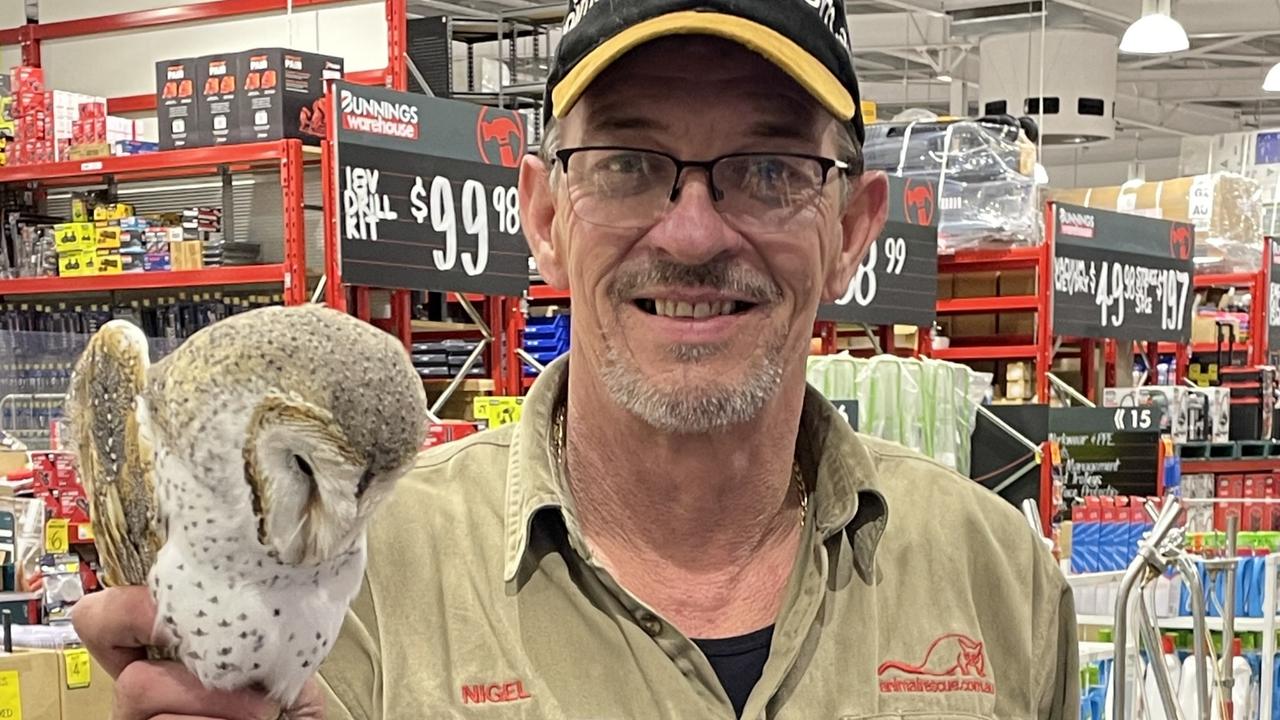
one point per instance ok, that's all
(115, 625)
(146, 690)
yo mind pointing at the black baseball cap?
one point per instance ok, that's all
(807, 39)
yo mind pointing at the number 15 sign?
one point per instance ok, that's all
(897, 281)
(427, 193)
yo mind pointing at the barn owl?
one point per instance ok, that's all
(236, 476)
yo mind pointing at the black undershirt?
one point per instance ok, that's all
(738, 662)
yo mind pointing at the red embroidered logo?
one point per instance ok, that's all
(494, 693)
(953, 663)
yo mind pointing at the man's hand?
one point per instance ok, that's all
(116, 626)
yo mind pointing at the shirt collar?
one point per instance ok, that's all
(837, 466)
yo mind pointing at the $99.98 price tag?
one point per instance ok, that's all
(439, 208)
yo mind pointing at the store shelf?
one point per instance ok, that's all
(246, 275)
(167, 163)
(1095, 651)
(1225, 280)
(546, 292)
(468, 385)
(1179, 623)
(985, 352)
(1237, 465)
(1008, 303)
(990, 259)
(431, 326)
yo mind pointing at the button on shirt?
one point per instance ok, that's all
(916, 593)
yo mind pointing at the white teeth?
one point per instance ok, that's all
(702, 310)
(684, 309)
(725, 308)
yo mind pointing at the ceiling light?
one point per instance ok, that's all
(1156, 32)
(944, 78)
(1272, 83)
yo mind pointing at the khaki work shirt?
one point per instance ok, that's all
(916, 594)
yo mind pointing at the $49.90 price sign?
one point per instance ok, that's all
(897, 281)
(427, 193)
(1121, 276)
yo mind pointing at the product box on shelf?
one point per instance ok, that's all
(74, 237)
(1218, 413)
(1230, 487)
(110, 262)
(112, 211)
(1225, 208)
(218, 115)
(176, 106)
(187, 255)
(282, 94)
(79, 263)
(108, 237)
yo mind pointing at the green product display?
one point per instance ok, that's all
(927, 405)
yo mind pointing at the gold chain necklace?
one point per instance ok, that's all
(559, 445)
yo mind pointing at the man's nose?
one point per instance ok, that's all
(693, 232)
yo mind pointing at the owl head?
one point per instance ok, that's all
(323, 413)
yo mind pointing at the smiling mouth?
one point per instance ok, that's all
(693, 311)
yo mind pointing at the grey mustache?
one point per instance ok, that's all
(720, 275)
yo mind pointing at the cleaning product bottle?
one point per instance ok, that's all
(1244, 581)
(1094, 695)
(1151, 688)
(1242, 674)
(1188, 697)
(1249, 650)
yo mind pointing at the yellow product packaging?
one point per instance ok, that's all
(78, 263)
(74, 237)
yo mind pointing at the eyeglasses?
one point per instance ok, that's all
(630, 189)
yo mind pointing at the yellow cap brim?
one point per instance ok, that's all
(804, 68)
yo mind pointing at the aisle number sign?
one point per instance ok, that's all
(56, 538)
(897, 281)
(10, 696)
(1121, 276)
(426, 192)
(78, 667)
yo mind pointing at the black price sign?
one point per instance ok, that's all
(847, 409)
(1106, 451)
(1273, 298)
(1121, 276)
(897, 281)
(427, 193)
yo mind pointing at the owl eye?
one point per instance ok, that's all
(304, 467)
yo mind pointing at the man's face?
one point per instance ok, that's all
(692, 321)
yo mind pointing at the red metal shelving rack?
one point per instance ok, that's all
(287, 154)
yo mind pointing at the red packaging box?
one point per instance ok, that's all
(25, 78)
(100, 129)
(1229, 486)
(447, 431)
(1254, 515)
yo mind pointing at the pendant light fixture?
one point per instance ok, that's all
(1156, 32)
(1272, 82)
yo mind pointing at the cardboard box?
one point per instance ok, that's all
(187, 254)
(80, 263)
(29, 685)
(1218, 413)
(1225, 208)
(176, 107)
(108, 237)
(86, 691)
(282, 94)
(1184, 413)
(113, 211)
(218, 116)
(74, 237)
(110, 262)
(1229, 486)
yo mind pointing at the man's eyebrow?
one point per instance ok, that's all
(615, 119)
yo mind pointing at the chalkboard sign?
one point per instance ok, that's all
(1106, 451)
(1273, 298)
(427, 193)
(1121, 276)
(897, 281)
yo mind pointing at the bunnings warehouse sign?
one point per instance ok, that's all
(1121, 276)
(427, 193)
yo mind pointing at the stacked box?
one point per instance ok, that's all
(176, 107)
(283, 94)
(444, 359)
(545, 339)
(203, 226)
(217, 113)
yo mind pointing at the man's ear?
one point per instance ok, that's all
(538, 218)
(863, 220)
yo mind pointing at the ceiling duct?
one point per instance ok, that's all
(1075, 89)
(998, 13)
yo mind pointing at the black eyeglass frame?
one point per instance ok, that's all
(825, 163)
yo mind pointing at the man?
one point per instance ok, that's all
(678, 528)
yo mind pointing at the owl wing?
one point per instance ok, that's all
(115, 457)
